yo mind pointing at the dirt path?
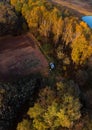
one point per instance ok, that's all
(81, 6)
(20, 56)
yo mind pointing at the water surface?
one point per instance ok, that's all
(88, 20)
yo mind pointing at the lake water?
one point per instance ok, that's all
(88, 20)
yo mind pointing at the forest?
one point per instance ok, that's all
(61, 100)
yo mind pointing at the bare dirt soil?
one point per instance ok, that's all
(20, 56)
(83, 7)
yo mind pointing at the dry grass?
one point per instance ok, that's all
(21, 56)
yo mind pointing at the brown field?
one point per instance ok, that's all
(83, 7)
(20, 56)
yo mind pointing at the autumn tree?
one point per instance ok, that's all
(57, 22)
(55, 108)
(45, 27)
(24, 125)
(82, 28)
(69, 29)
(18, 4)
(81, 50)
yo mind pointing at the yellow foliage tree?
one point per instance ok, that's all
(24, 125)
(83, 29)
(57, 29)
(69, 29)
(81, 50)
(46, 25)
(56, 109)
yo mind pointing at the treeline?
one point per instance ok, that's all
(11, 22)
(15, 97)
(70, 37)
(8, 19)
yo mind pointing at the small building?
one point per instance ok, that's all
(52, 66)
